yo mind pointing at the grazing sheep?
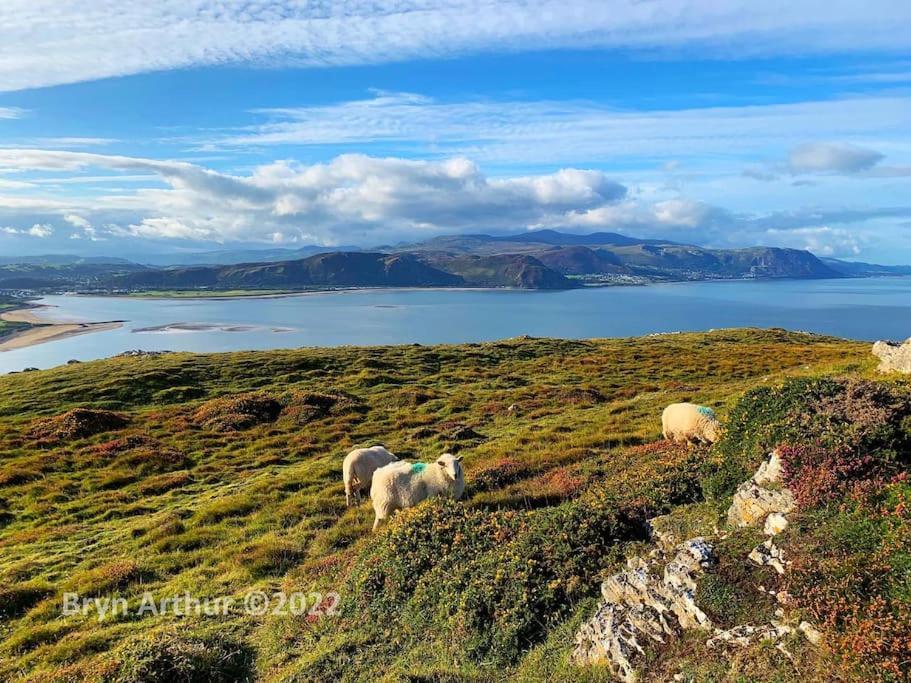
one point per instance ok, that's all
(691, 423)
(358, 468)
(405, 484)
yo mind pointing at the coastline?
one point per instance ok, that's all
(38, 331)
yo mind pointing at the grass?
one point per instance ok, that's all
(199, 492)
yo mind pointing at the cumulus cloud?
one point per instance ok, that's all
(37, 230)
(77, 221)
(352, 195)
(48, 42)
(829, 157)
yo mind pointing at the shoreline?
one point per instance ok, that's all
(38, 331)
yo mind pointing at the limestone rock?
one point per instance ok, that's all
(768, 554)
(769, 471)
(893, 357)
(645, 602)
(775, 523)
(747, 634)
(753, 503)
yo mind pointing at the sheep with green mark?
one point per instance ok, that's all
(401, 485)
(691, 423)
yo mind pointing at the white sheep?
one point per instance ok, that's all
(358, 468)
(691, 423)
(405, 484)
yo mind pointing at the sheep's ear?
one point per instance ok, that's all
(459, 459)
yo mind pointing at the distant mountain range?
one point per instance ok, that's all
(545, 259)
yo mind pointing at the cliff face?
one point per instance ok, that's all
(501, 270)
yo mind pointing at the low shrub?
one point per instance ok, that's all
(860, 417)
(76, 424)
(307, 406)
(493, 582)
(239, 412)
(498, 474)
(819, 475)
(851, 574)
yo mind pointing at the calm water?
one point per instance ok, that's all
(860, 309)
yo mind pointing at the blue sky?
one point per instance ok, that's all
(129, 128)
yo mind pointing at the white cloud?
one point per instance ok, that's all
(11, 113)
(39, 230)
(368, 200)
(77, 221)
(352, 195)
(565, 132)
(822, 240)
(829, 157)
(49, 42)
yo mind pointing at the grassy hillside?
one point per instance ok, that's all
(220, 474)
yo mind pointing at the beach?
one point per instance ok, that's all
(41, 331)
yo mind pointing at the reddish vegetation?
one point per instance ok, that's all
(819, 475)
(306, 406)
(498, 474)
(559, 483)
(75, 424)
(238, 413)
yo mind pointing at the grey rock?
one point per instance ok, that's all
(893, 357)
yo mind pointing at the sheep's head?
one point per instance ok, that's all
(713, 430)
(452, 466)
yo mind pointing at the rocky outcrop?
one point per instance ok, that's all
(761, 496)
(652, 600)
(893, 357)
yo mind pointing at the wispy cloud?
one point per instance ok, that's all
(547, 132)
(12, 113)
(47, 42)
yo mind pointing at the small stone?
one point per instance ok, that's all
(769, 471)
(811, 634)
(775, 523)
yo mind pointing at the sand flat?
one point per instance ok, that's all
(43, 331)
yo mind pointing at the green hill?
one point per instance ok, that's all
(218, 475)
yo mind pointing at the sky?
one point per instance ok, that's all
(129, 128)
